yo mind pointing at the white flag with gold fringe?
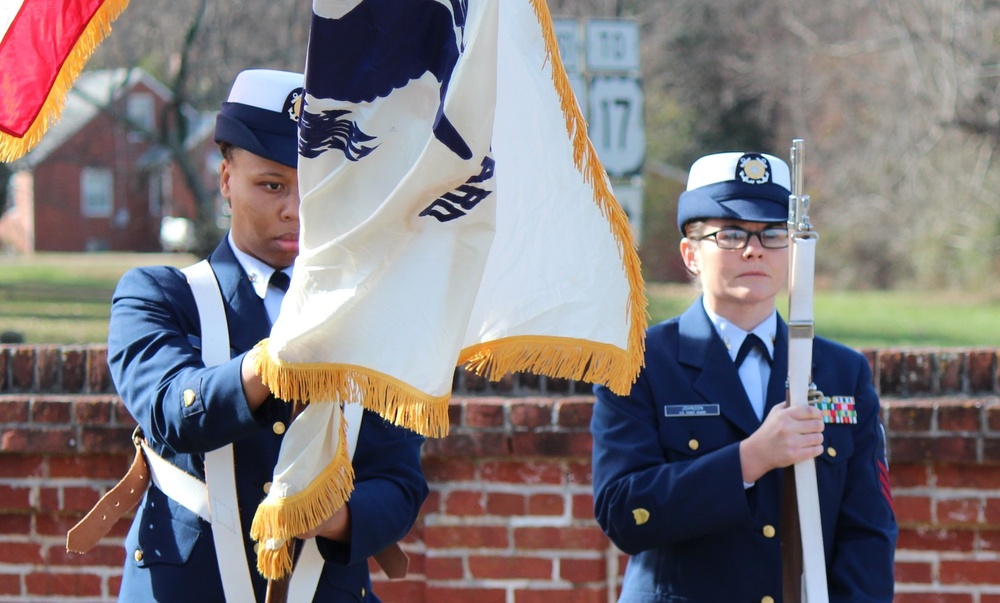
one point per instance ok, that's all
(453, 213)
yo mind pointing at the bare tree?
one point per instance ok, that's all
(206, 43)
(196, 48)
(897, 99)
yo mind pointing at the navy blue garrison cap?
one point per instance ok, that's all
(736, 186)
(262, 114)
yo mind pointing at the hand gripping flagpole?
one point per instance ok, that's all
(802, 256)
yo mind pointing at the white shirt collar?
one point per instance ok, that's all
(257, 271)
(733, 336)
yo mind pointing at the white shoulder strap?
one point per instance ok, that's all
(211, 313)
(220, 474)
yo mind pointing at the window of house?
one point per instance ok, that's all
(140, 110)
(96, 192)
(160, 193)
(155, 198)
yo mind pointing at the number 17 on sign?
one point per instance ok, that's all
(616, 123)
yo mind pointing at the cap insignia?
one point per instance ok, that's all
(753, 168)
(293, 104)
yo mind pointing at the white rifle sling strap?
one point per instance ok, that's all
(220, 476)
(802, 259)
(800, 366)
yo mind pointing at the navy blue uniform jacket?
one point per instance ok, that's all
(669, 490)
(154, 350)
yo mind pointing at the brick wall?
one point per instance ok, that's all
(509, 516)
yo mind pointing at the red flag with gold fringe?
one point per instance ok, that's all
(44, 46)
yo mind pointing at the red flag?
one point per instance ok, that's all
(44, 46)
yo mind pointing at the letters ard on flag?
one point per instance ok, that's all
(43, 48)
(453, 212)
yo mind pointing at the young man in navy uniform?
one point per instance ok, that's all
(186, 409)
(688, 466)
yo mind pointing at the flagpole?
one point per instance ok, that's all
(277, 588)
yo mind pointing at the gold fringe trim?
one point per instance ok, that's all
(560, 357)
(282, 519)
(14, 147)
(586, 161)
(394, 400)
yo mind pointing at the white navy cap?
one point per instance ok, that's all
(737, 186)
(261, 114)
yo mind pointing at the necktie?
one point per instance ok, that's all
(280, 280)
(755, 375)
(272, 299)
(751, 342)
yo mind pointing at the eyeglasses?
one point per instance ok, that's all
(734, 237)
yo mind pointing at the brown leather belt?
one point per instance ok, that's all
(128, 492)
(119, 500)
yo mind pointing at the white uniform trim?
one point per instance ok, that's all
(184, 488)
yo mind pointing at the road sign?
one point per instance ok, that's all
(616, 123)
(601, 57)
(612, 45)
(570, 44)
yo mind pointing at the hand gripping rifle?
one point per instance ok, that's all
(807, 564)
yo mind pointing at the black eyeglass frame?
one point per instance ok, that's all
(746, 235)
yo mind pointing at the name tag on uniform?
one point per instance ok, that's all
(691, 410)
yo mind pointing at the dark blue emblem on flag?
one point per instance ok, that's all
(462, 200)
(377, 47)
(320, 132)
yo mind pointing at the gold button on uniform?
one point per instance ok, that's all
(362, 592)
(279, 428)
(137, 555)
(640, 515)
(267, 487)
(767, 600)
(189, 397)
(768, 531)
(831, 451)
(693, 444)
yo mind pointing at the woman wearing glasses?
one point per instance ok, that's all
(688, 466)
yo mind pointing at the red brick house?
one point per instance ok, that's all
(95, 183)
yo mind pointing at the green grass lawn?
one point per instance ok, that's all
(65, 299)
(901, 318)
(877, 319)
